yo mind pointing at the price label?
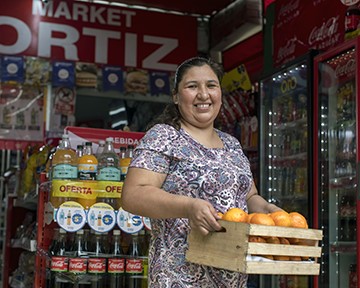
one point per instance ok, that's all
(101, 217)
(129, 223)
(70, 216)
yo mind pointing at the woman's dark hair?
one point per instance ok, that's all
(171, 114)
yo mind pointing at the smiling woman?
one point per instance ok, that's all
(184, 171)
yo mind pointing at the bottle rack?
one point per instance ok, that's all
(47, 223)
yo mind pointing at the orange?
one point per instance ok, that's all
(306, 242)
(220, 214)
(272, 240)
(298, 220)
(250, 216)
(257, 239)
(281, 218)
(284, 241)
(294, 240)
(235, 215)
(262, 219)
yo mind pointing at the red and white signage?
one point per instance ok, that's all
(304, 25)
(79, 135)
(102, 34)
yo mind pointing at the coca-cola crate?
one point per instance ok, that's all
(232, 250)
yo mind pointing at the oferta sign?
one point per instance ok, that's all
(102, 34)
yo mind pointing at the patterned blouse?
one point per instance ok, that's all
(221, 176)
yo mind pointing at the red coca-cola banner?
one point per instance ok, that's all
(103, 34)
(304, 25)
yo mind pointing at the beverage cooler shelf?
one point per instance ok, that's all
(292, 124)
(343, 247)
(348, 182)
(282, 160)
(24, 243)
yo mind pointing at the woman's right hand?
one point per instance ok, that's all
(203, 216)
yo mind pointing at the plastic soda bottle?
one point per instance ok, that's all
(125, 162)
(87, 164)
(64, 161)
(108, 170)
(100, 148)
(64, 167)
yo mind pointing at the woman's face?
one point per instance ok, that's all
(199, 96)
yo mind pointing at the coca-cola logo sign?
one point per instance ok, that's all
(327, 30)
(301, 26)
(345, 69)
(289, 8)
(133, 266)
(97, 265)
(116, 266)
(349, 2)
(77, 265)
(287, 50)
(59, 264)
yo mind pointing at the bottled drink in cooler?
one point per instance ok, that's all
(64, 166)
(116, 262)
(134, 263)
(109, 170)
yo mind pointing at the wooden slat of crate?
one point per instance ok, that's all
(287, 232)
(283, 268)
(279, 249)
(228, 250)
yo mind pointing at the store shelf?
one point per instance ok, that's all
(343, 247)
(26, 244)
(128, 96)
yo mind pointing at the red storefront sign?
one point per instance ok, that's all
(304, 25)
(103, 34)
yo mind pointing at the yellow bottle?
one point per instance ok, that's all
(64, 167)
(87, 170)
(87, 164)
(125, 161)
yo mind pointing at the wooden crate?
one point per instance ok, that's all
(229, 249)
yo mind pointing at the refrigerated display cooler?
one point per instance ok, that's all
(336, 163)
(285, 147)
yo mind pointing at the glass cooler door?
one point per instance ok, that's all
(285, 146)
(335, 157)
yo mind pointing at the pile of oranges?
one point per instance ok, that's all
(278, 218)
